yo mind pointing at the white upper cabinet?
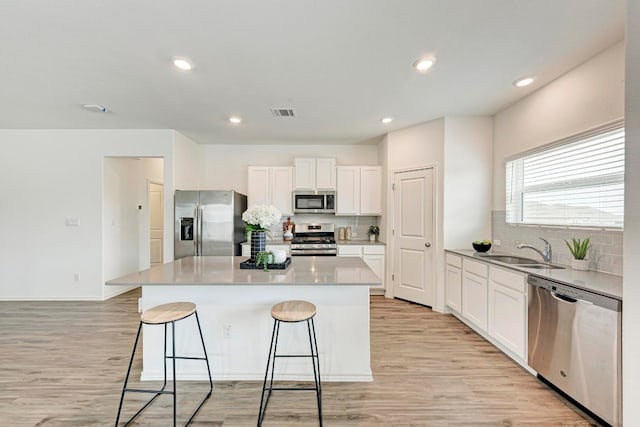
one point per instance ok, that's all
(359, 190)
(315, 173)
(370, 190)
(271, 186)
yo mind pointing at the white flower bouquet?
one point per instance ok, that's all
(261, 217)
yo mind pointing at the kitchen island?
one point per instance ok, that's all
(234, 307)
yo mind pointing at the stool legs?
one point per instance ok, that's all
(162, 390)
(271, 360)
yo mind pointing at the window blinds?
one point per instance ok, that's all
(579, 183)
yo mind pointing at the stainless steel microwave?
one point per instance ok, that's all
(314, 202)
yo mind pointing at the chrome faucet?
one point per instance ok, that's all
(545, 254)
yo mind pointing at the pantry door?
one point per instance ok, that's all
(413, 275)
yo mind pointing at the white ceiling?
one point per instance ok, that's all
(341, 64)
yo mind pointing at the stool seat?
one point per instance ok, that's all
(293, 311)
(167, 313)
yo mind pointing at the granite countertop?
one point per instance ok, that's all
(225, 270)
(595, 281)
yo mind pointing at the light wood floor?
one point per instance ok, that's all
(62, 364)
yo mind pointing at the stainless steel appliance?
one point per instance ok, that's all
(314, 202)
(208, 223)
(574, 344)
(314, 239)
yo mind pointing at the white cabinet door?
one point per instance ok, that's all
(326, 174)
(258, 186)
(508, 310)
(315, 173)
(271, 186)
(350, 250)
(348, 190)
(454, 287)
(305, 174)
(281, 184)
(370, 190)
(474, 299)
(376, 263)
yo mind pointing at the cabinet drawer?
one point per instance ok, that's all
(454, 260)
(373, 250)
(477, 268)
(508, 279)
(349, 250)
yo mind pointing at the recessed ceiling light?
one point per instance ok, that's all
(423, 65)
(96, 108)
(235, 120)
(525, 81)
(183, 64)
(386, 120)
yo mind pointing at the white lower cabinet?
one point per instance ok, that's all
(508, 310)
(474, 292)
(372, 255)
(492, 301)
(453, 282)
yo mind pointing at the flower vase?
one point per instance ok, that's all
(258, 243)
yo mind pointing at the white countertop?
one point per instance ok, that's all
(595, 281)
(225, 270)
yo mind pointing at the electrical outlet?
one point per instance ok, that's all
(76, 277)
(497, 242)
(227, 331)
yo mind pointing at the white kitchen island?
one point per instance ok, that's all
(234, 307)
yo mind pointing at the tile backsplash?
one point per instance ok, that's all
(359, 224)
(606, 245)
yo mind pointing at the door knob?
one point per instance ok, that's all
(427, 245)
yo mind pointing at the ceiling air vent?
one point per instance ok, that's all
(282, 112)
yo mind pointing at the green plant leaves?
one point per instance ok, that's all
(578, 248)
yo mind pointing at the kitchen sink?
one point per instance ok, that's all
(541, 266)
(509, 259)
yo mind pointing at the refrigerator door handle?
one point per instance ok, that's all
(196, 230)
(200, 215)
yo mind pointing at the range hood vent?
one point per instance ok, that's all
(282, 112)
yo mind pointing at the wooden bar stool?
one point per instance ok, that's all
(163, 315)
(291, 312)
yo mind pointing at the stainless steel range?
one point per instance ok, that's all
(314, 239)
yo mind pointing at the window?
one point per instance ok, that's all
(575, 182)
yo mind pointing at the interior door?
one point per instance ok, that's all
(413, 236)
(156, 222)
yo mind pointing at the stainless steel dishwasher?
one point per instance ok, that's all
(574, 343)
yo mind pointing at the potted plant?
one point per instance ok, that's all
(579, 250)
(265, 258)
(373, 232)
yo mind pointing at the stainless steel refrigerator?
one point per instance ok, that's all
(208, 223)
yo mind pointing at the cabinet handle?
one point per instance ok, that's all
(427, 245)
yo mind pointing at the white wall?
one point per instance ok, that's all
(415, 147)
(468, 158)
(225, 166)
(590, 95)
(47, 176)
(189, 166)
(126, 233)
(631, 289)
(459, 148)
